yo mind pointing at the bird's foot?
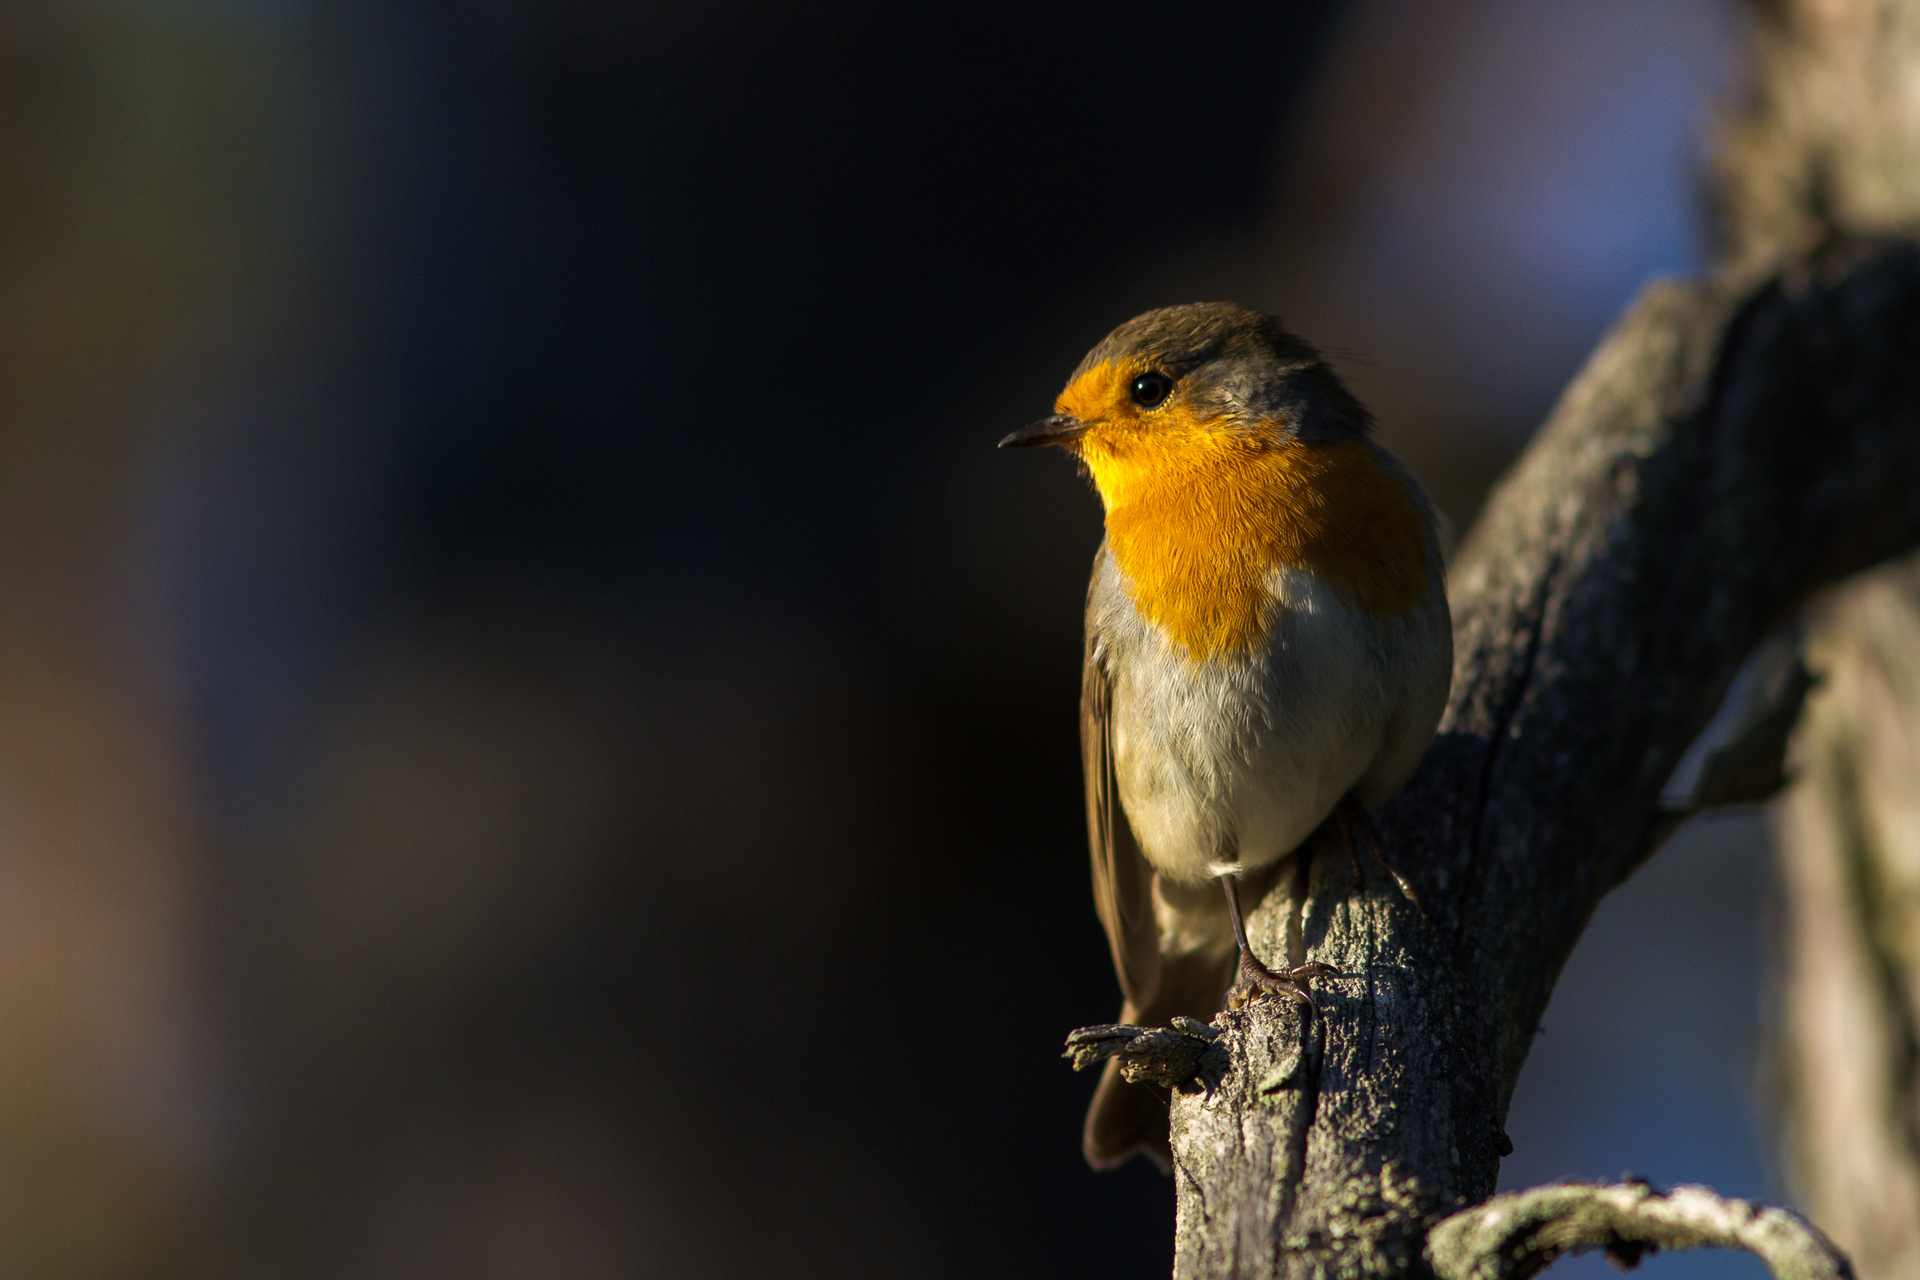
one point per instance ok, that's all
(1291, 984)
(1359, 831)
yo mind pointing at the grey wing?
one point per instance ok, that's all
(1122, 877)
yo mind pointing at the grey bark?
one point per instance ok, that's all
(1831, 137)
(1847, 1052)
(1516, 1236)
(1735, 444)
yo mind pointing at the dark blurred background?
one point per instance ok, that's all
(537, 731)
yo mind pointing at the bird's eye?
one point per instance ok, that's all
(1150, 390)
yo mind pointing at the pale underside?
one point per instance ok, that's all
(1225, 765)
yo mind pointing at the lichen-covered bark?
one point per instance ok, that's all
(1315, 1152)
(1734, 444)
(1517, 1236)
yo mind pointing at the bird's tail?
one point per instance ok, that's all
(1127, 1119)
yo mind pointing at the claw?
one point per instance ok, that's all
(1256, 979)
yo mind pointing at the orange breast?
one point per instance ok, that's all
(1198, 521)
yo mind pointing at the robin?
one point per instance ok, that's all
(1268, 647)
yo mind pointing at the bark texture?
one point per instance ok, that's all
(1734, 445)
(1848, 1049)
(1830, 137)
(1513, 1237)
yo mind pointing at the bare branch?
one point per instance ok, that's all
(1185, 1055)
(1733, 445)
(1847, 1038)
(1515, 1237)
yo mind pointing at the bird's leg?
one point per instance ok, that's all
(1357, 828)
(1255, 977)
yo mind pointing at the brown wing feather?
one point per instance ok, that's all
(1122, 878)
(1128, 1118)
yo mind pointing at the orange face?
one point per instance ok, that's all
(1130, 450)
(1200, 512)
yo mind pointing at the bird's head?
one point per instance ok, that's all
(1182, 391)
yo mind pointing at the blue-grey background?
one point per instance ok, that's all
(536, 730)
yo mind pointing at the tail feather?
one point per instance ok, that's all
(1130, 1119)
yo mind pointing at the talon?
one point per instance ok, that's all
(1256, 979)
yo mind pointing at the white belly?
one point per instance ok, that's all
(1228, 764)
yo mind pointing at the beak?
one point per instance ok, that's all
(1061, 428)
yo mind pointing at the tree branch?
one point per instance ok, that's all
(1516, 1237)
(1846, 1053)
(1184, 1056)
(1734, 444)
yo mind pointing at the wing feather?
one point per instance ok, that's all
(1122, 877)
(1128, 1118)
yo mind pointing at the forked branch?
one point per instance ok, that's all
(1734, 444)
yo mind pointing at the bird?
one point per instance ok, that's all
(1268, 648)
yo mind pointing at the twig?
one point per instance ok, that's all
(1516, 1236)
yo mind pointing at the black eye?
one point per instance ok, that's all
(1150, 390)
